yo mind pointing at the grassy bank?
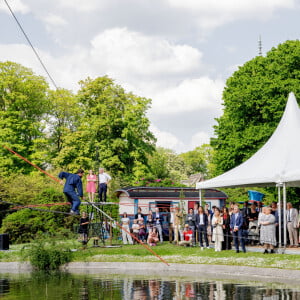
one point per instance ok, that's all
(170, 253)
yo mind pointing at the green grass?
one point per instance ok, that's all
(170, 253)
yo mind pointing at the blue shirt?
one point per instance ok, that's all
(73, 181)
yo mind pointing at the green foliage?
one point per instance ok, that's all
(33, 188)
(165, 163)
(166, 182)
(198, 160)
(241, 194)
(23, 103)
(48, 258)
(26, 224)
(113, 129)
(63, 119)
(254, 100)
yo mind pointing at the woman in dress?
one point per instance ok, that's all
(217, 225)
(226, 245)
(91, 185)
(267, 229)
(125, 221)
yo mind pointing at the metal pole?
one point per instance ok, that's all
(284, 214)
(110, 233)
(200, 197)
(279, 217)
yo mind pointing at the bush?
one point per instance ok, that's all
(26, 224)
(43, 258)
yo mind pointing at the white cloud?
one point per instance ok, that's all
(16, 6)
(21, 54)
(81, 6)
(167, 140)
(123, 52)
(213, 13)
(189, 95)
(235, 6)
(55, 20)
(198, 139)
(170, 141)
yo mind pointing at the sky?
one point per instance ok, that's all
(179, 53)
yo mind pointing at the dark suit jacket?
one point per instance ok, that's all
(73, 183)
(205, 220)
(160, 218)
(239, 222)
(137, 215)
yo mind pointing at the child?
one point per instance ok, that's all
(135, 230)
(142, 232)
(83, 228)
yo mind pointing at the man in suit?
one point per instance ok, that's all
(292, 224)
(158, 220)
(201, 224)
(73, 189)
(236, 225)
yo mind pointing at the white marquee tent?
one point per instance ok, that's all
(277, 163)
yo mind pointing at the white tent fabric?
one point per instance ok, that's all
(277, 162)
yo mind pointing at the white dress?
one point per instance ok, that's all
(217, 235)
(267, 232)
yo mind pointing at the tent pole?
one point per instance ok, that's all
(279, 216)
(200, 197)
(284, 214)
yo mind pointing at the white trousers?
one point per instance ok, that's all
(126, 236)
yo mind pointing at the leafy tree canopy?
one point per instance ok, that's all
(198, 160)
(23, 104)
(113, 130)
(254, 100)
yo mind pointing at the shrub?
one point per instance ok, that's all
(43, 258)
(26, 224)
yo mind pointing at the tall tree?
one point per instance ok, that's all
(113, 129)
(63, 118)
(254, 101)
(23, 104)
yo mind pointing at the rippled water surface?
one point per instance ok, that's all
(67, 286)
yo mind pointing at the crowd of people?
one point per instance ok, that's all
(224, 227)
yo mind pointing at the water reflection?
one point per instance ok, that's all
(86, 287)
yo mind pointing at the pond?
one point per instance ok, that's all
(69, 286)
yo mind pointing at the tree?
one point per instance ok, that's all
(254, 100)
(63, 118)
(165, 163)
(113, 129)
(198, 160)
(23, 104)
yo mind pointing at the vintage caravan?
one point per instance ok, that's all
(166, 198)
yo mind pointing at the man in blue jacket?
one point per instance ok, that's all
(237, 227)
(73, 189)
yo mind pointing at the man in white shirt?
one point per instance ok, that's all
(292, 224)
(103, 179)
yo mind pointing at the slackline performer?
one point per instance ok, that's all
(73, 189)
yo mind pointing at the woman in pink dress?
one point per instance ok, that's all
(91, 185)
